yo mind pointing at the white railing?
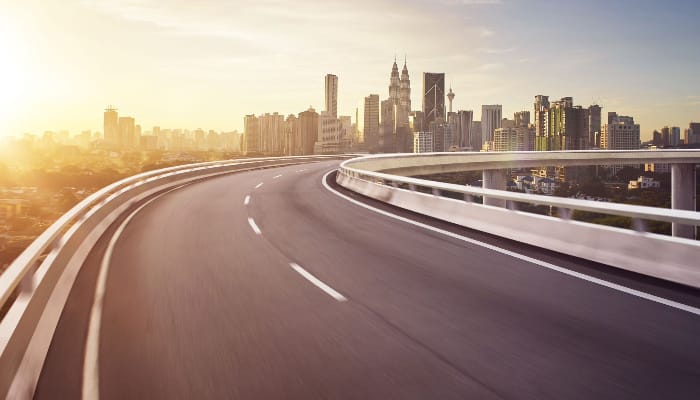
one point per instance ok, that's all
(664, 257)
(42, 276)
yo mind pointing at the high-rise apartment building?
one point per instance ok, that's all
(251, 133)
(332, 95)
(433, 97)
(620, 133)
(347, 132)
(308, 131)
(466, 139)
(476, 141)
(111, 126)
(540, 116)
(565, 126)
(693, 136)
(665, 134)
(272, 135)
(522, 118)
(368, 121)
(423, 142)
(594, 125)
(675, 135)
(329, 132)
(442, 134)
(387, 125)
(490, 121)
(293, 139)
(127, 138)
(514, 138)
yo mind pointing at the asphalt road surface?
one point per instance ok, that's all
(229, 289)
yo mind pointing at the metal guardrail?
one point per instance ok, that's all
(35, 273)
(507, 159)
(407, 163)
(670, 258)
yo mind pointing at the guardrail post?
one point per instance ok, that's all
(494, 179)
(683, 196)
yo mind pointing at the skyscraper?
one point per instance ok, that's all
(394, 84)
(476, 141)
(405, 98)
(272, 133)
(433, 97)
(387, 122)
(308, 130)
(540, 116)
(368, 121)
(111, 126)
(442, 134)
(291, 131)
(594, 125)
(450, 97)
(394, 112)
(565, 126)
(463, 131)
(675, 135)
(693, 133)
(461, 122)
(522, 118)
(404, 138)
(620, 133)
(329, 131)
(332, 95)
(126, 133)
(490, 121)
(665, 133)
(252, 134)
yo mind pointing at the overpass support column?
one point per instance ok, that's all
(494, 179)
(683, 196)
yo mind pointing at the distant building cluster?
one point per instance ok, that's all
(122, 133)
(391, 125)
(303, 134)
(671, 136)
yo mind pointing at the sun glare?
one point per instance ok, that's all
(14, 72)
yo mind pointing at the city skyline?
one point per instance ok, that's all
(206, 67)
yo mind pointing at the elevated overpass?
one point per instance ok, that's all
(315, 277)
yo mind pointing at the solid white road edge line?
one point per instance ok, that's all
(254, 226)
(91, 384)
(246, 201)
(258, 185)
(597, 281)
(329, 290)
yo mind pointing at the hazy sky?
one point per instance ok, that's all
(207, 63)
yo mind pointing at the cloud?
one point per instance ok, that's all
(489, 67)
(470, 2)
(495, 51)
(483, 32)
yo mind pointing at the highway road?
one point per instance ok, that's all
(269, 285)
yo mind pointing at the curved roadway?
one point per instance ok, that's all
(300, 293)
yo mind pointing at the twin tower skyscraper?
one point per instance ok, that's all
(394, 133)
(400, 94)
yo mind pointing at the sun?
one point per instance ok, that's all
(15, 82)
